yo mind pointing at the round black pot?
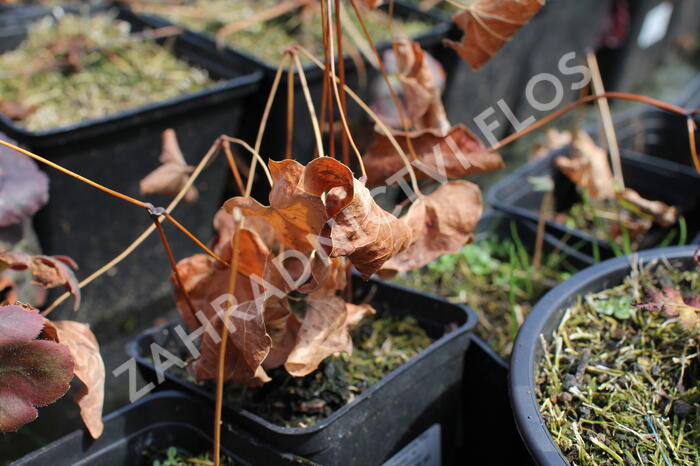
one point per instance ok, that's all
(542, 321)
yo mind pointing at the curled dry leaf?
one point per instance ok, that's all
(32, 372)
(48, 271)
(358, 227)
(588, 168)
(324, 332)
(662, 214)
(169, 178)
(373, 4)
(296, 215)
(207, 284)
(488, 25)
(283, 326)
(24, 189)
(325, 199)
(673, 304)
(441, 223)
(89, 368)
(421, 94)
(456, 154)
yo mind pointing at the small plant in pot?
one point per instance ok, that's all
(605, 369)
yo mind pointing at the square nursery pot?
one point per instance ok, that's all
(651, 177)
(118, 150)
(383, 419)
(485, 387)
(658, 133)
(542, 321)
(13, 23)
(154, 423)
(304, 146)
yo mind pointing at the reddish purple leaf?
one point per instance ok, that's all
(24, 189)
(32, 372)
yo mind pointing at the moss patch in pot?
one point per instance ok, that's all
(380, 345)
(496, 278)
(267, 40)
(620, 381)
(85, 67)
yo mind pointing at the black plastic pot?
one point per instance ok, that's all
(485, 392)
(658, 133)
(653, 178)
(384, 418)
(118, 150)
(542, 322)
(153, 424)
(304, 146)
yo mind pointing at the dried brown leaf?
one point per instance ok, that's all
(324, 332)
(488, 25)
(441, 223)
(588, 168)
(457, 154)
(662, 213)
(172, 175)
(48, 271)
(421, 95)
(89, 368)
(358, 227)
(671, 302)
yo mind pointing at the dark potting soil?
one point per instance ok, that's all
(380, 345)
(173, 456)
(620, 380)
(496, 278)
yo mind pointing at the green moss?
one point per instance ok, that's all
(620, 384)
(111, 75)
(268, 40)
(495, 278)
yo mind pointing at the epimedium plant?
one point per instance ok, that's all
(321, 220)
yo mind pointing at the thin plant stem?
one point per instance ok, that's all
(256, 155)
(213, 150)
(171, 259)
(606, 118)
(263, 122)
(382, 69)
(309, 104)
(330, 57)
(692, 128)
(584, 100)
(341, 74)
(235, 240)
(290, 111)
(377, 120)
(56, 166)
(226, 145)
(179, 226)
(343, 118)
